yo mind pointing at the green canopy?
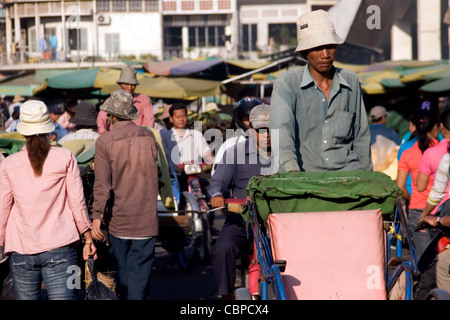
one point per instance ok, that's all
(437, 86)
(11, 142)
(83, 78)
(321, 191)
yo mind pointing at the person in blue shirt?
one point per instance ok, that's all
(240, 163)
(53, 46)
(55, 112)
(378, 119)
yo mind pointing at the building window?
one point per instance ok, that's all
(151, 5)
(187, 5)
(102, 5)
(173, 37)
(169, 5)
(78, 39)
(249, 37)
(119, 5)
(135, 5)
(224, 4)
(212, 36)
(206, 5)
(112, 43)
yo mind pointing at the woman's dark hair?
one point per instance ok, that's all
(38, 148)
(425, 121)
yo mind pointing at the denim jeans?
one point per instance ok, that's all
(420, 238)
(54, 267)
(132, 262)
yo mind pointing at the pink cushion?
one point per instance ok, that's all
(331, 255)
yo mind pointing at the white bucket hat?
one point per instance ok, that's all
(34, 119)
(316, 29)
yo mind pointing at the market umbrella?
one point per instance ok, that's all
(80, 84)
(173, 88)
(85, 78)
(209, 68)
(437, 86)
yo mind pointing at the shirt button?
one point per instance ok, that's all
(326, 159)
(324, 141)
(323, 100)
(326, 121)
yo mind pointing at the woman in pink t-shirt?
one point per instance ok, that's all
(432, 157)
(427, 131)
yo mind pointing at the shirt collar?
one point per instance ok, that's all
(307, 78)
(187, 132)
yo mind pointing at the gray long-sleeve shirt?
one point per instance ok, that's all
(240, 163)
(310, 133)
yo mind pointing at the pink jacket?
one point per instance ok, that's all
(38, 214)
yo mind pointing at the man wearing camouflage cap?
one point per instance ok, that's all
(125, 196)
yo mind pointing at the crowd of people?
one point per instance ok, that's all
(316, 114)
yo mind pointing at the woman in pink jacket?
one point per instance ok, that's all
(42, 212)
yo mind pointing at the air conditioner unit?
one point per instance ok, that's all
(103, 20)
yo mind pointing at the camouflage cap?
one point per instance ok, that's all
(121, 105)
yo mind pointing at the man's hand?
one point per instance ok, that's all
(96, 233)
(217, 201)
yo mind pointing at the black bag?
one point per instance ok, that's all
(7, 290)
(96, 289)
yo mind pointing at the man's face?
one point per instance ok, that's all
(321, 58)
(263, 138)
(179, 119)
(128, 87)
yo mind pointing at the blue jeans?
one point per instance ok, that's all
(421, 238)
(132, 262)
(55, 267)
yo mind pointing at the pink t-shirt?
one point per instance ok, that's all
(144, 107)
(38, 214)
(409, 162)
(430, 162)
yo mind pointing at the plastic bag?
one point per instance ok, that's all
(96, 289)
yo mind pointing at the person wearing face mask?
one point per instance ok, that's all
(240, 163)
(241, 122)
(128, 82)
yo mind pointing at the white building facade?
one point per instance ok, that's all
(160, 29)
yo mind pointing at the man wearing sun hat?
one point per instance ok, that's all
(125, 196)
(128, 81)
(318, 110)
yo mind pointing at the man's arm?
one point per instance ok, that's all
(148, 118)
(102, 187)
(222, 181)
(282, 125)
(361, 142)
(102, 122)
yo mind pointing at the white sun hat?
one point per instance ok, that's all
(34, 119)
(315, 29)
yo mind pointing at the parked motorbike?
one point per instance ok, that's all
(190, 183)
